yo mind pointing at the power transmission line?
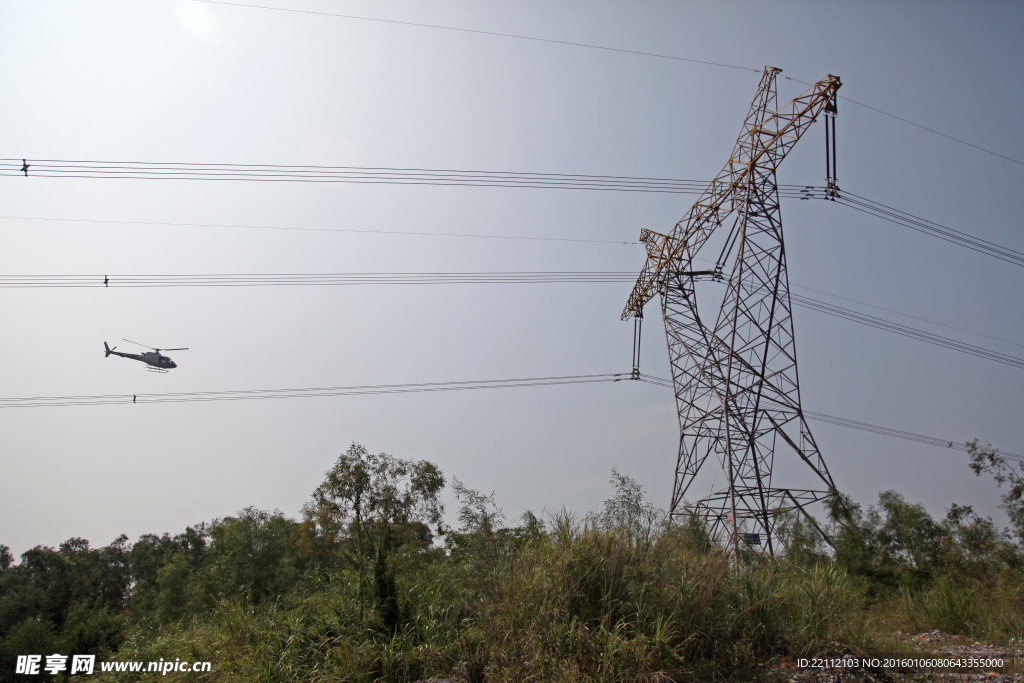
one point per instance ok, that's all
(321, 279)
(605, 48)
(308, 392)
(866, 426)
(474, 278)
(141, 170)
(426, 387)
(931, 228)
(890, 310)
(882, 308)
(507, 237)
(905, 331)
(345, 230)
(146, 170)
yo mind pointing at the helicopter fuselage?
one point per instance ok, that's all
(154, 360)
(149, 357)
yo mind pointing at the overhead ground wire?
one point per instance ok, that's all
(481, 32)
(605, 48)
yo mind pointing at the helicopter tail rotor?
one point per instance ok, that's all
(108, 350)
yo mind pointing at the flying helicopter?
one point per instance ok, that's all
(154, 360)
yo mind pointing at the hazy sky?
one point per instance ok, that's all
(170, 80)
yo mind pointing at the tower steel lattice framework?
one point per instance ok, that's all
(735, 380)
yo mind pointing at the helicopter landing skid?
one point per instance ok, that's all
(150, 368)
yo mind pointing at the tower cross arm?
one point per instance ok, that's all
(647, 284)
(765, 141)
(666, 253)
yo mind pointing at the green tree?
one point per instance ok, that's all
(986, 460)
(64, 599)
(907, 535)
(478, 513)
(253, 555)
(972, 545)
(628, 509)
(152, 554)
(370, 499)
(337, 510)
(892, 542)
(801, 539)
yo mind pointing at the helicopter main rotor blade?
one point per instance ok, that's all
(184, 349)
(137, 344)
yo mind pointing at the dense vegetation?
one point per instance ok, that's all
(370, 586)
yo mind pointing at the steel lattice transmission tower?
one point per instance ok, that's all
(735, 380)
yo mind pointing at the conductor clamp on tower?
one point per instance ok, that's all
(735, 375)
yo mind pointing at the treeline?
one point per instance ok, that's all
(370, 585)
(78, 599)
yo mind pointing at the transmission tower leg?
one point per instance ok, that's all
(698, 388)
(737, 386)
(762, 402)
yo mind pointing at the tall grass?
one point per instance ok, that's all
(993, 611)
(617, 595)
(583, 602)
